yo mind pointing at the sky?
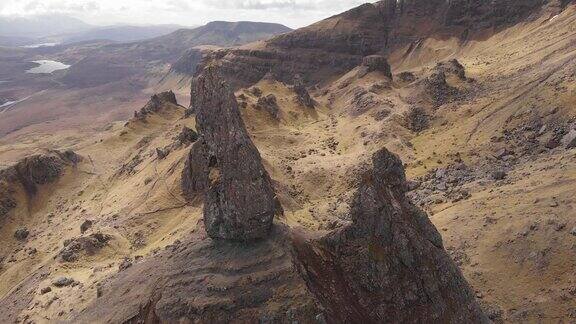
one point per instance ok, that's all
(293, 13)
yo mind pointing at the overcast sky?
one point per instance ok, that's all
(293, 13)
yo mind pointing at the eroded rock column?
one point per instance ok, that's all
(239, 200)
(389, 265)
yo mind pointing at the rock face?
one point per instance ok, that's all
(253, 282)
(195, 172)
(479, 14)
(302, 94)
(188, 62)
(338, 44)
(389, 264)
(377, 63)
(239, 202)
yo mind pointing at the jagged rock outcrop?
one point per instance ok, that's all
(89, 245)
(389, 265)
(7, 201)
(436, 86)
(452, 67)
(32, 172)
(302, 94)
(155, 103)
(39, 169)
(416, 119)
(374, 63)
(239, 202)
(195, 172)
(269, 77)
(269, 104)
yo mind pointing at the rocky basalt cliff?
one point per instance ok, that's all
(341, 42)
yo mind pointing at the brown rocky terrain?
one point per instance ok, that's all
(476, 98)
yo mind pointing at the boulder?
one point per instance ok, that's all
(86, 225)
(63, 282)
(498, 175)
(452, 67)
(239, 201)
(407, 77)
(21, 234)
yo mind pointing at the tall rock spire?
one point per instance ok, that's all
(389, 265)
(240, 202)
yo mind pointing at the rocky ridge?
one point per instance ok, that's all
(30, 173)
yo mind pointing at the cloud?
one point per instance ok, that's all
(328, 5)
(36, 7)
(293, 13)
(253, 4)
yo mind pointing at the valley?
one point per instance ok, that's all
(403, 155)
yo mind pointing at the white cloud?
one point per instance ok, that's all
(294, 13)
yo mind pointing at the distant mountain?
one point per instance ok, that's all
(40, 26)
(118, 61)
(21, 31)
(119, 33)
(224, 34)
(16, 41)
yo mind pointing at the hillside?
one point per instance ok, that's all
(404, 161)
(118, 61)
(123, 73)
(121, 34)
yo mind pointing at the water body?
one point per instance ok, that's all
(47, 66)
(7, 104)
(40, 45)
(10, 104)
